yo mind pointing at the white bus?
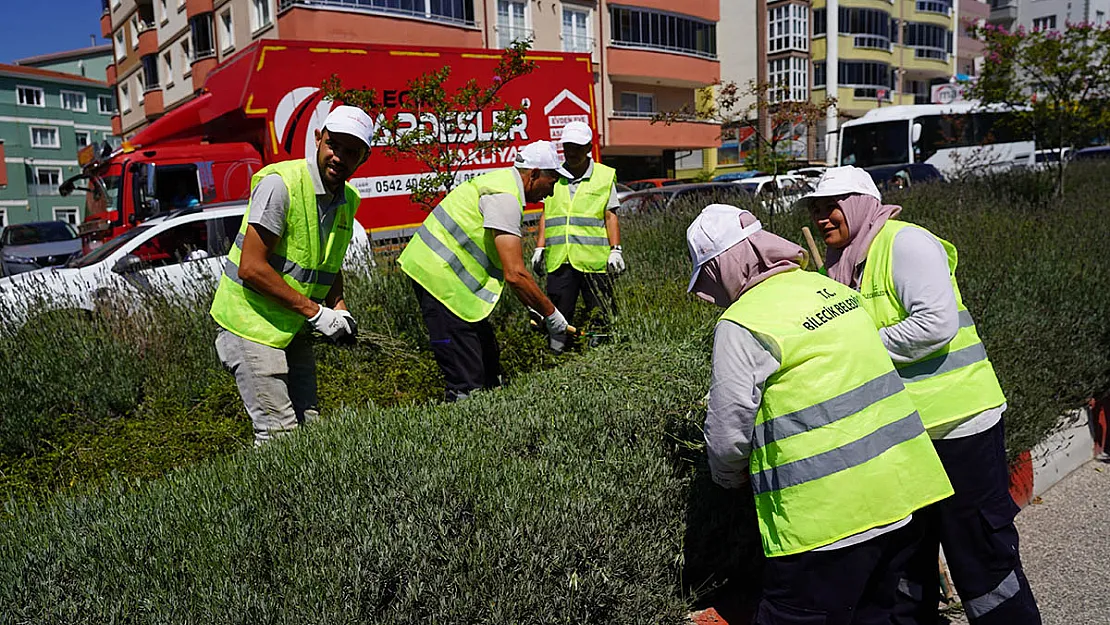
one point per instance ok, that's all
(954, 138)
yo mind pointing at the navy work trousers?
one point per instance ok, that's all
(467, 353)
(854, 585)
(976, 528)
(566, 283)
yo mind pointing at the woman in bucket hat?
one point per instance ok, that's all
(806, 408)
(907, 279)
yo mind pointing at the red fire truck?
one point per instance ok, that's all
(264, 105)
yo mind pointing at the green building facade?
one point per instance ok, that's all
(46, 116)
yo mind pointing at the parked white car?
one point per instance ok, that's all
(178, 255)
(776, 192)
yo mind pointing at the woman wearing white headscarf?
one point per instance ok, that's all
(805, 406)
(907, 278)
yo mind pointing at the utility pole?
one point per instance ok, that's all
(832, 78)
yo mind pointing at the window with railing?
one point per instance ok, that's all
(866, 75)
(789, 79)
(456, 12)
(929, 41)
(659, 30)
(934, 6)
(576, 30)
(636, 105)
(788, 28)
(512, 22)
(871, 28)
(150, 73)
(204, 40)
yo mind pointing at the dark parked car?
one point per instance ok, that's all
(26, 247)
(889, 177)
(1091, 154)
(704, 193)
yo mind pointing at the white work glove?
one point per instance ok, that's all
(330, 322)
(538, 266)
(557, 326)
(616, 260)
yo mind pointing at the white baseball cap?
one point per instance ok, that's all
(713, 232)
(537, 155)
(841, 181)
(350, 120)
(578, 133)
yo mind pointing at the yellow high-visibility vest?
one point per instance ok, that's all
(453, 256)
(956, 381)
(305, 264)
(574, 228)
(838, 447)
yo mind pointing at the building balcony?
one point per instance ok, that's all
(708, 10)
(194, 8)
(670, 69)
(856, 48)
(340, 21)
(934, 61)
(1003, 12)
(106, 24)
(117, 125)
(148, 40)
(153, 103)
(929, 17)
(110, 74)
(635, 131)
(200, 68)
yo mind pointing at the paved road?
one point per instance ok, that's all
(1065, 547)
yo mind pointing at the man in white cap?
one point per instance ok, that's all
(463, 255)
(579, 233)
(284, 270)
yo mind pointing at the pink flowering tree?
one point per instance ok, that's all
(445, 141)
(1059, 81)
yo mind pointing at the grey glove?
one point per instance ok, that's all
(538, 266)
(556, 325)
(616, 261)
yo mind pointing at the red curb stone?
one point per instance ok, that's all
(1021, 479)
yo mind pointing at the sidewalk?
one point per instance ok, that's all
(1065, 548)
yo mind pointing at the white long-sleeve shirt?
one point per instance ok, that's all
(922, 283)
(741, 366)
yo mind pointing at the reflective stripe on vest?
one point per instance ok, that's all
(837, 447)
(574, 227)
(451, 255)
(308, 265)
(954, 382)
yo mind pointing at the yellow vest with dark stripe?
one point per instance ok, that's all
(452, 255)
(956, 381)
(306, 265)
(837, 447)
(574, 228)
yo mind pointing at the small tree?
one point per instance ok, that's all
(438, 124)
(751, 107)
(1057, 82)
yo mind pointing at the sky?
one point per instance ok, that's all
(32, 27)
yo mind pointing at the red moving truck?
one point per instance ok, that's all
(264, 105)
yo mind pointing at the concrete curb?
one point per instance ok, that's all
(1080, 436)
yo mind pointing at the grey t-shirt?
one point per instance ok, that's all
(270, 201)
(502, 211)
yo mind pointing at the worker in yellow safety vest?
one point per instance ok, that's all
(806, 410)
(284, 269)
(463, 255)
(907, 279)
(579, 233)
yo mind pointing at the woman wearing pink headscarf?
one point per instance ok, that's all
(806, 408)
(907, 279)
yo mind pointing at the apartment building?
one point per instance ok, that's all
(46, 116)
(649, 55)
(885, 52)
(1047, 14)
